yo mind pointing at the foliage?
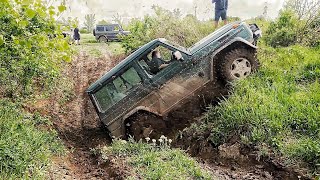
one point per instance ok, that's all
(69, 23)
(155, 161)
(299, 22)
(103, 22)
(32, 51)
(25, 151)
(165, 24)
(31, 48)
(84, 31)
(278, 106)
(283, 32)
(89, 21)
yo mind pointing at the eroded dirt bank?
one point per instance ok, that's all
(77, 123)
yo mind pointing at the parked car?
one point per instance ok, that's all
(111, 32)
(131, 99)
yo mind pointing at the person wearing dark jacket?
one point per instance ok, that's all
(221, 8)
(156, 64)
(76, 35)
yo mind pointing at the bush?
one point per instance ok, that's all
(32, 48)
(84, 31)
(283, 32)
(290, 29)
(25, 151)
(165, 24)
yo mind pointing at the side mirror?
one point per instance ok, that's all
(178, 56)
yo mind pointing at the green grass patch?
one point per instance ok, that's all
(25, 150)
(93, 48)
(279, 106)
(151, 161)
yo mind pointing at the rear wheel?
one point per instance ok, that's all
(143, 125)
(103, 39)
(238, 64)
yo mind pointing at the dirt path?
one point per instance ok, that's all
(78, 125)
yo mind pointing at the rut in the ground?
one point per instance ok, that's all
(77, 123)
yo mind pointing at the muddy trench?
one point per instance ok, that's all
(81, 131)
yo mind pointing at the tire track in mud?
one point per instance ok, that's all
(77, 123)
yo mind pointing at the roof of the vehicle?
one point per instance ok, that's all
(121, 65)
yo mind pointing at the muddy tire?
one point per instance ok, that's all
(238, 64)
(144, 125)
(103, 39)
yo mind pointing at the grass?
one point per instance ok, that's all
(25, 149)
(93, 48)
(151, 161)
(278, 106)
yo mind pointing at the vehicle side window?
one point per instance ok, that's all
(100, 28)
(109, 28)
(157, 60)
(116, 90)
(103, 97)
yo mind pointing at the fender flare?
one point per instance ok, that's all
(233, 41)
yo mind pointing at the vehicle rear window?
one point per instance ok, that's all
(116, 90)
(100, 28)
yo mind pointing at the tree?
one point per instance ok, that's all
(117, 18)
(90, 20)
(308, 12)
(103, 22)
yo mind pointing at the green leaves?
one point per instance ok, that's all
(32, 50)
(30, 13)
(1, 40)
(62, 8)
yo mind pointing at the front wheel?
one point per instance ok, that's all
(238, 64)
(103, 39)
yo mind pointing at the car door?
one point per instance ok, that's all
(177, 82)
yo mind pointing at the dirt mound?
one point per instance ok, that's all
(234, 160)
(77, 123)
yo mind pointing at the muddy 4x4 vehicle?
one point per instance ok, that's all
(104, 33)
(131, 99)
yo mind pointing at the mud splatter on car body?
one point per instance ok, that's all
(130, 88)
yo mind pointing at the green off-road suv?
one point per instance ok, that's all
(136, 97)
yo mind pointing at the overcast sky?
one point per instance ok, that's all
(105, 9)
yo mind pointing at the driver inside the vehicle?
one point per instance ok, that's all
(157, 63)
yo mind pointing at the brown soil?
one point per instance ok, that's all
(78, 125)
(234, 160)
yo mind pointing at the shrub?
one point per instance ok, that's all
(165, 24)
(84, 31)
(31, 48)
(283, 32)
(25, 151)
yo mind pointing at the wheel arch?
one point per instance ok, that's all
(140, 109)
(237, 42)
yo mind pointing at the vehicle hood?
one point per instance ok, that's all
(210, 38)
(126, 32)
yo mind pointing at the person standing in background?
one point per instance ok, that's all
(221, 8)
(76, 35)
